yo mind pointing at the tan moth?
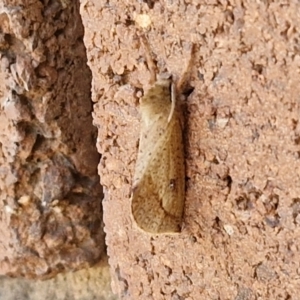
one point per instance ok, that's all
(158, 190)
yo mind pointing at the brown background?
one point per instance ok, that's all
(240, 234)
(50, 196)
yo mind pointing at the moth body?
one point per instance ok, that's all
(159, 180)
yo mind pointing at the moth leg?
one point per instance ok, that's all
(149, 59)
(173, 101)
(186, 74)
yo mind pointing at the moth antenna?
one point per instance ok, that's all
(173, 101)
(186, 74)
(149, 59)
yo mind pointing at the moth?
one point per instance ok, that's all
(158, 189)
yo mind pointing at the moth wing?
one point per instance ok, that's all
(158, 193)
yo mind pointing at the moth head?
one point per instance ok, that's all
(164, 79)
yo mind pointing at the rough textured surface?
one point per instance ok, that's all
(50, 200)
(242, 212)
(87, 284)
